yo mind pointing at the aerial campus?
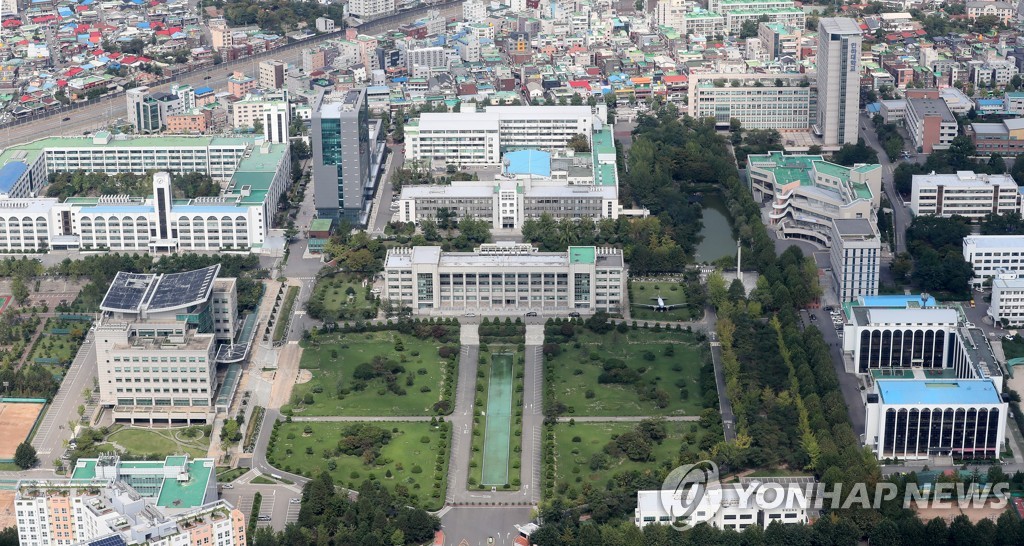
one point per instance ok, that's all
(549, 273)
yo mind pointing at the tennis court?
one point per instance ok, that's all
(498, 427)
(17, 417)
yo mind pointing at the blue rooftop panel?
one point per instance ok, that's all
(529, 162)
(10, 174)
(203, 90)
(928, 391)
(896, 301)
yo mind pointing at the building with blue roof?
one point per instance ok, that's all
(524, 163)
(916, 417)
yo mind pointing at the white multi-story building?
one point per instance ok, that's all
(756, 100)
(806, 193)
(505, 277)
(838, 70)
(933, 380)
(110, 502)
(434, 57)
(479, 138)
(248, 110)
(271, 74)
(965, 193)
(256, 173)
(157, 345)
(791, 16)
(371, 9)
(1007, 304)
(702, 23)
(671, 13)
(474, 11)
(277, 122)
(991, 255)
(728, 505)
(856, 258)
(919, 416)
(728, 6)
(1003, 10)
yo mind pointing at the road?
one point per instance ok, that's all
(901, 214)
(53, 431)
(382, 213)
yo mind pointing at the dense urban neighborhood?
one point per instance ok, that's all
(536, 272)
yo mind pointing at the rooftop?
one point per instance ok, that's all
(964, 178)
(938, 391)
(135, 293)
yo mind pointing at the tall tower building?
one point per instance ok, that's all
(341, 153)
(839, 42)
(276, 122)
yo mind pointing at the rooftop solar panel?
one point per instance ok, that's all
(182, 289)
(127, 291)
(116, 540)
(131, 292)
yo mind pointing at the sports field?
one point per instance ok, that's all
(498, 428)
(16, 422)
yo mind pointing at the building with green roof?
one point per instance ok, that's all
(805, 193)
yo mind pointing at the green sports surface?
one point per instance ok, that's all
(498, 428)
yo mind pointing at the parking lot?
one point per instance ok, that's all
(277, 508)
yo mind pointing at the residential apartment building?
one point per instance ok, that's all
(156, 345)
(671, 13)
(1004, 11)
(112, 502)
(257, 173)
(479, 138)
(429, 58)
(728, 6)
(965, 193)
(701, 22)
(1007, 303)
(855, 255)
(992, 255)
(505, 277)
(930, 124)
(371, 9)
(727, 506)
(348, 149)
(756, 100)
(240, 85)
(790, 16)
(780, 41)
(838, 73)
(249, 110)
(271, 75)
(805, 193)
(193, 122)
(1005, 137)
(992, 73)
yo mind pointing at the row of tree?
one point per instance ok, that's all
(65, 184)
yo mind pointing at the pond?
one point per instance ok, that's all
(717, 240)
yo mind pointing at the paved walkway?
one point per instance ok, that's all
(357, 419)
(627, 418)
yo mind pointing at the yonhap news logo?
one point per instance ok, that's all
(688, 488)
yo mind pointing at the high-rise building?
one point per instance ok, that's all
(144, 110)
(271, 75)
(839, 43)
(276, 120)
(856, 258)
(346, 154)
(157, 342)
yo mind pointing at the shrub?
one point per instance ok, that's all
(424, 439)
(416, 469)
(576, 439)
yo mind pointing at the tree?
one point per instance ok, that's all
(257, 126)
(996, 164)
(578, 143)
(19, 290)
(25, 456)
(717, 291)
(748, 29)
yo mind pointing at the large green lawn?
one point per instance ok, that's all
(336, 392)
(574, 458)
(413, 463)
(343, 297)
(161, 442)
(646, 293)
(575, 372)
